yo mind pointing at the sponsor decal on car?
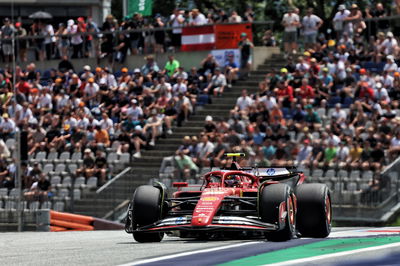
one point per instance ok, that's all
(209, 199)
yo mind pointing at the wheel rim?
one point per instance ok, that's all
(291, 212)
(328, 212)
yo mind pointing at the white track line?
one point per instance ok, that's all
(186, 254)
(338, 254)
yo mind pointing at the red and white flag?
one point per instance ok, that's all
(198, 38)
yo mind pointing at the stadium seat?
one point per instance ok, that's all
(10, 205)
(63, 193)
(92, 182)
(34, 205)
(344, 174)
(76, 157)
(367, 175)
(55, 180)
(79, 182)
(52, 156)
(355, 175)
(330, 173)
(352, 186)
(72, 167)
(317, 173)
(1, 205)
(77, 194)
(10, 143)
(59, 206)
(45, 205)
(40, 156)
(124, 158)
(48, 168)
(66, 182)
(64, 157)
(112, 157)
(13, 193)
(3, 193)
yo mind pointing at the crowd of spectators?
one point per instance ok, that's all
(93, 111)
(336, 106)
(84, 38)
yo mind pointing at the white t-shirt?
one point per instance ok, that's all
(382, 94)
(175, 23)
(200, 19)
(341, 114)
(310, 24)
(8, 125)
(45, 101)
(76, 38)
(269, 102)
(134, 112)
(91, 89)
(395, 142)
(390, 67)
(49, 33)
(342, 153)
(389, 45)
(203, 149)
(179, 88)
(338, 20)
(83, 123)
(288, 20)
(244, 102)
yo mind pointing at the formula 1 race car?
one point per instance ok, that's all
(269, 202)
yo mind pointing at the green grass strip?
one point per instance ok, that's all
(314, 249)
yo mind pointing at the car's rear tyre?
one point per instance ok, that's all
(271, 199)
(314, 210)
(146, 205)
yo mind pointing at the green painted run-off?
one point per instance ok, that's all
(315, 249)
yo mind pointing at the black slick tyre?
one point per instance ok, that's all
(146, 205)
(314, 210)
(271, 199)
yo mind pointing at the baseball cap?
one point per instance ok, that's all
(341, 7)
(134, 101)
(138, 127)
(209, 118)
(137, 70)
(87, 68)
(90, 79)
(284, 70)
(325, 69)
(306, 141)
(389, 34)
(363, 71)
(98, 69)
(243, 34)
(88, 150)
(306, 53)
(5, 115)
(124, 70)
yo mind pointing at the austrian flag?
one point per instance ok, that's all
(198, 38)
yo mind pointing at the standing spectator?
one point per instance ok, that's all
(311, 24)
(49, 40)
(291, 22)
(21, 44)
(197, 18)
(7, 31)
(269, 39)
(159, 34)
(62, 41)
(246, 50)
(121, 49)
(339, 21)
(76, 39)
(235, 18)
(176, 21)
(249, 14)
(378, 12)
(390, 45)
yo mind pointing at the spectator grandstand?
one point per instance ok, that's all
(332, 110)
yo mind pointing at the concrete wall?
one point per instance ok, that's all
(187, 59)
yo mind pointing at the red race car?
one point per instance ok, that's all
(269, 202)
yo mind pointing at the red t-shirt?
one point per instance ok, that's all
(306, 92)
(286, 92)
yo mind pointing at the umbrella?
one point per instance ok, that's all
(41, 15)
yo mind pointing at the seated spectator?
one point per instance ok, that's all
(153, 127)
(269, 39)
(204, 150)
(102, 137)
(171, 66)
(187, 168)
(138, 141)
(40, 190)
(231, 70)
(304, 155)
(217, 84)
(184, 108)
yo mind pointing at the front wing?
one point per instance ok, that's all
(219, 223)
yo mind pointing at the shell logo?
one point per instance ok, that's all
(209, 199)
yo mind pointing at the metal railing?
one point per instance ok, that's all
(92, 41)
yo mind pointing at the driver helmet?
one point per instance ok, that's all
(231, 180)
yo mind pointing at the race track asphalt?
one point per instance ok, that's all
(117, 247)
